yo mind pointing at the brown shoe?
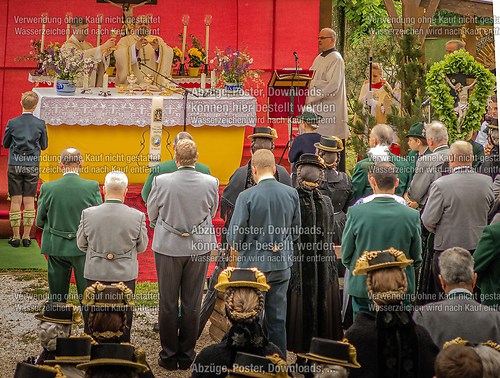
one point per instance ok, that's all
(14, 242)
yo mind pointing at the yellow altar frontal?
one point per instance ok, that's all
(114, 133)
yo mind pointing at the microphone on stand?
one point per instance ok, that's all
(296, 55)
(426, 102)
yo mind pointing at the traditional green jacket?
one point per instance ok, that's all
(360, 182)
(478, 150)
(487, 264)
(377, 225)
(60, 206)
(166, 167)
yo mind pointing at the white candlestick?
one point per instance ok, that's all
(203, 80)
(86, 81)
(105, 80)
(99, 34)
(207, 33)
(212, 79)
(184, 33)
(42, 43)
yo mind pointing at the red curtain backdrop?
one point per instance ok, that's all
(270, 30)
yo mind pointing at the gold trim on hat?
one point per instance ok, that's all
(224, 280)
(363, 266)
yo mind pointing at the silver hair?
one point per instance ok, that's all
(437, 131)
(116, 181)
(49, 332)
(182, 135)
(384, 134)
(456, 266)
(490, 358)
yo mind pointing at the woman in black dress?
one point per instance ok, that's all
(336, 185)
(244, 302)
(388, 342)
(313, 294)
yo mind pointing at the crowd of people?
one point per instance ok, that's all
(413, 238)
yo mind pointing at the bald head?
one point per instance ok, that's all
(263, 164)
(326, 39)
(381, 135)
(70, 158)
(461, 154)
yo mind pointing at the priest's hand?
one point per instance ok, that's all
(141, 43)
(155, 44)
(108, 44)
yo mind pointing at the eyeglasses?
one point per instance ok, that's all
(324, 37)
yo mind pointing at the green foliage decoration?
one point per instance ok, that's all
(442, 101)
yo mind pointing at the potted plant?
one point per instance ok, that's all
(232, 66)
(67, 65)
(196, 56)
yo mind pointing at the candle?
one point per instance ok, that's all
(185, 21)
(105, 80)
(68, 25)
(212, 79)
(208, 20)
(86, 82)
(42, 43)
(99, 25)
(203, 80)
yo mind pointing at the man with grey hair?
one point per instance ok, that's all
(111, 235)
(60, 206)
(458, 205)
(182, 204)
(380, 140)
(430, 167)
(169, 166)
(327, 93)
(459, 315)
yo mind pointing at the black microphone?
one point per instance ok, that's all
(296, 55)
(139, 60)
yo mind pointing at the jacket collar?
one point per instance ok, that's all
(327, 52)
(112, 200)
(460, 294)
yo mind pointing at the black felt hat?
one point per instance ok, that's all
(24, 370)
(242, 277)
(59, 313)
(332, 352)
(374, 260)
(71, 350)
(264, 132)
(311, 159)
(330, 143)
(109, 354)
(116, 296)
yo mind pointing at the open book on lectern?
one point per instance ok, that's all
(280, 93)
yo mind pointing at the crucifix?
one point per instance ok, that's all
(128, 13)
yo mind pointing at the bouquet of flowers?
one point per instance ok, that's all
(196, 53)
(177, 56)
(233, 66)
(66, 64)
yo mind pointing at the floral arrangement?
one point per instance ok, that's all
(196, 53)
(233, 66)
(65, 64)
(177, 56)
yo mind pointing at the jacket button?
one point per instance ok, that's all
(110, 256)
(70, 236)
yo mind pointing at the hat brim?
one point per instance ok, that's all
(329, 361)
(262, 135)
(67, 361)
(113, 362)
(326, 148)
(392, 264)
(56, 321)
(317, 164)
(223, 286)
(416, 136)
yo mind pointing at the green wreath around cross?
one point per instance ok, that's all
(442, 101)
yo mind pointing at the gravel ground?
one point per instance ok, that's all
(22, 298)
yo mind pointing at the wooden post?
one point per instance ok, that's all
(325, 14)
(470, 38)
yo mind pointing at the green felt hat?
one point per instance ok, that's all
(417, 130)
